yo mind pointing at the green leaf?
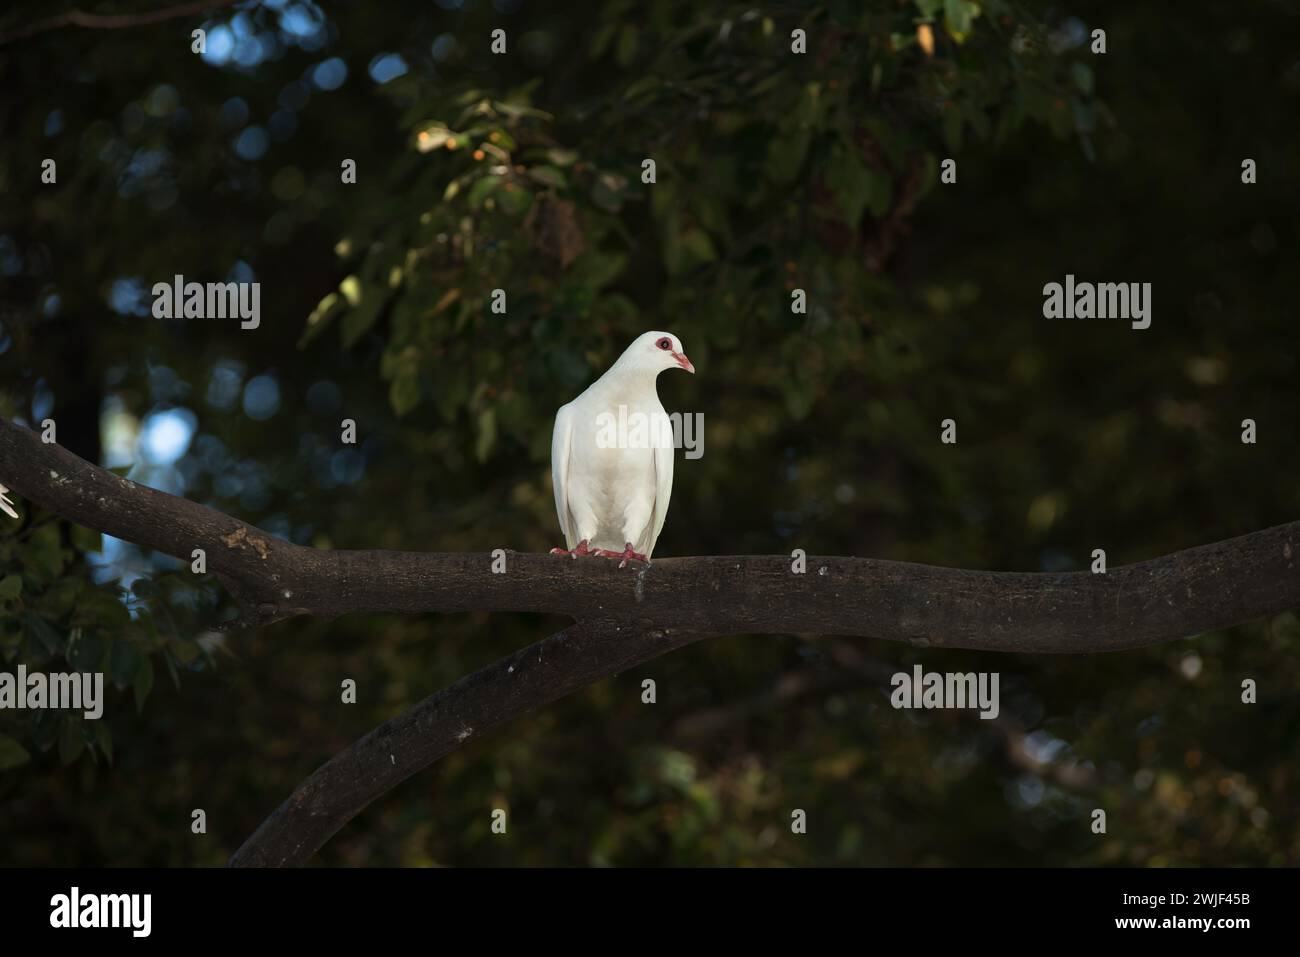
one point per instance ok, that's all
(168, 658)
(501, 137)
(952, 129)
(625, 52)
(60, 598)
(799, 398)
(143, 683)
(45, 729)
(600, 269)
(324, 313)
(671, 240)
(1060, 121)
(104, 740)
(852, 183)
(958, 17)
(350, 289)
(86, 652)
(482, 189)
(600, 42)
(1082, 75)
(881, 194)
(549, 176)
(513, 200)
(517, 110)
(12, 754)
(929, 174)
(359, 320)
(45, 553)
(44, 634)
(71, 743)
(86, 539)
(100, 608)
(697, 248)
(562, 157)
(786, 153)
(11, 587)
(487, 434)
(979, 121)
(432, 136)
(608, 191)
(186, 652)
(404, 393)
(641, 86)
(123, 662)
(1085, 116)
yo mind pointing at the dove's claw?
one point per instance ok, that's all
(627, 554)
(582, 549)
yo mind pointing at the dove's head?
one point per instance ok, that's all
(657, 351)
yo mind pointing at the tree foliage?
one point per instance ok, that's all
(774, 171)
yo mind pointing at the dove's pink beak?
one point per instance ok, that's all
(684, 362)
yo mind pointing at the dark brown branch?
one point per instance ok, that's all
(629, 616)
(112, 21)
(513, 686)
(1179, 595)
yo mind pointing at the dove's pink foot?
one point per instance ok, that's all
(582, 549)
(627, 554)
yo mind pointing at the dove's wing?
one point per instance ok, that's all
(561, 447)
(663, 478)
(6, 506)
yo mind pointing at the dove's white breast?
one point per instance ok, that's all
(613, 492)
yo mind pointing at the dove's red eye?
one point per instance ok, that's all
(665, 344)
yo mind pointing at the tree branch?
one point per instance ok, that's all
(1175, 596)
(112, 21)
(515, 685)
(629, 616)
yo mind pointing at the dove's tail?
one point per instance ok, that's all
(6, 506)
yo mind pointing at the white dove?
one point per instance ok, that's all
(612, 456)
(6, 506)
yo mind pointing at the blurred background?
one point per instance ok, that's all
(775, 171)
